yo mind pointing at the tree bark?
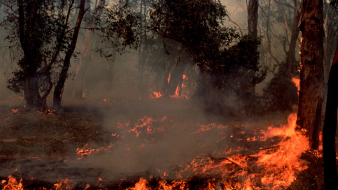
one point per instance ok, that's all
(30, 62)
(57, 97)
(252, 17)
(329, 129)
(176, 76)
(311, 70)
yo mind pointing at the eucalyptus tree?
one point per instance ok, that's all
(311, 70)
(196, 28)
(41, 29)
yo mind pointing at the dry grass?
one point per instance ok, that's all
(55, 135)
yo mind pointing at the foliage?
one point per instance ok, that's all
(334, 3)
(45, 30)
(119, 26)
(281, 92)
(197, 25)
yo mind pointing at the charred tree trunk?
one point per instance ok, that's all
(252, 17)
(330, 127)
(64, 71)
(176, 76)
(30, 62)
(311, 71)
(290, 59)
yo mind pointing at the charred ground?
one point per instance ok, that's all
(41, 148)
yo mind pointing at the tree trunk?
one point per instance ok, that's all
(31, 60)
(176, 76)
(290, 59)
(329, 129)
(311, 70)
(110, 76)
(252, 17)
(31, 92)
(85, 57)
(64, 71)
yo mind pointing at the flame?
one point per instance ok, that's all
(84, 151)
(141, 185)
(297, 82)
(156, 95)
(15, 110)
(169, 78)
(273, 167)
(185, 77)
(65, 184)
(12, 184)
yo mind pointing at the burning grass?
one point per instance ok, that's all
(35, 150)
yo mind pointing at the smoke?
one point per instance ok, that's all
(167, 134)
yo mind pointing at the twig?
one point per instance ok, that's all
(218, 160)
(236, 24)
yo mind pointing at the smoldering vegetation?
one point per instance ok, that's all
(124, 134)
(148, 105)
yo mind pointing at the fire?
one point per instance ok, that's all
(15, 110)
(12, 184)
(297, 82)
(84, 151)
(272, 167)
(156, 95)
(65, 184)
(141, 185)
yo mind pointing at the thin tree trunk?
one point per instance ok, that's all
(64, 71)
(311, 70)
(140, 59)
(176, 76)
(330, 127)
(252, 17)
(111, 71)
(290, 59)
(85, 57)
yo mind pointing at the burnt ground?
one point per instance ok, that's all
(36, 147)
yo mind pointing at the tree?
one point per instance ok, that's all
(330, 127)
(40, 29)
(196, 28)
(290, 59)
(91, 20)
(330, 123)
(311, 70)
(252, 17)
(57, 97)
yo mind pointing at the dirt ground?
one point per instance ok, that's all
(40, 148)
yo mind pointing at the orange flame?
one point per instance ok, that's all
(65, 184)
(297, 82)
(12, 184)
(277, 164)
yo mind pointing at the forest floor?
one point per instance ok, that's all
(43, 148)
